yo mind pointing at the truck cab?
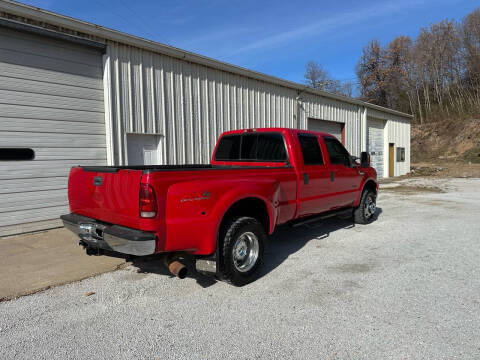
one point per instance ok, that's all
(328, 177)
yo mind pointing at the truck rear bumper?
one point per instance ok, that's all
(110, 237)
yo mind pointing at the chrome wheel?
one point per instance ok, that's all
(370, 206)
(245, 251)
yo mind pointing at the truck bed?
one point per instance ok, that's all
(111, 193)
(187, 167)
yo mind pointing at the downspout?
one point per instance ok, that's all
(298, 100)
(107, 89)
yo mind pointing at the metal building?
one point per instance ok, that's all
(78, 93)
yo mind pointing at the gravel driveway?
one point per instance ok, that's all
(404, 287)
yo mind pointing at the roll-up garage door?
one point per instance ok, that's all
(51, 101)
(375, 144)
(330, 127)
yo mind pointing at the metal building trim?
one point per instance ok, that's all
(18, 26)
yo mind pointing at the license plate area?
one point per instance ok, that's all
(91, 231)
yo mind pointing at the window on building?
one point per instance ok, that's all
(337, 153)
(312, 154)
(400, 154)
(16, 154)
(252, 147)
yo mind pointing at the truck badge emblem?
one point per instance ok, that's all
(196, 196)
(97, 180)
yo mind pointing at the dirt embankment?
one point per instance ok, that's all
(449, 148)
(446, 141)
(446, 170)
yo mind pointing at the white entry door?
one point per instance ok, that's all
(144, 149)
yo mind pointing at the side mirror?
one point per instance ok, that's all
(354, 161)
(364, 159)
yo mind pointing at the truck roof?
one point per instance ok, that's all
(274, 129)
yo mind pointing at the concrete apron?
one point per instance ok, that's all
(38, 261)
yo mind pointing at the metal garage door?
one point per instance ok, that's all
(330, 127)
(375, 144)
(51, 101)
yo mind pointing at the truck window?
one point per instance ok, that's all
(337, 153)
(271, 147)
(312, 155)
(249, 147)
(228, 148)
(268, 147)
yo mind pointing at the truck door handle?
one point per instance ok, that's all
(305, 179)
(332, 176)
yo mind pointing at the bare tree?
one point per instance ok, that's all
(397, 58)
(347, 88)
(318, 78)
(315, 75)
(470, 31)
(371, 72)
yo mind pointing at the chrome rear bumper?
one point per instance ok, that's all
(115, 238)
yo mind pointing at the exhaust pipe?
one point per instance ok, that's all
(91, 251)
(176, 267)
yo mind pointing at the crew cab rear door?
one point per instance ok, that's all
(345, 178)
(313, 186)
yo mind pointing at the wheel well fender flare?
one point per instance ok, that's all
(264, 211)
(369, 183)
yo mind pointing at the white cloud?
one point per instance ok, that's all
(326, 25)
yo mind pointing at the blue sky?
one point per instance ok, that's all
(273, 37)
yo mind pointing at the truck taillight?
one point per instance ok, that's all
(148, 201)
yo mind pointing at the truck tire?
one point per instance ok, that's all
(242, 246)
(365, 211)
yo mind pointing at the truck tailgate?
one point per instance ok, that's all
(110, 196)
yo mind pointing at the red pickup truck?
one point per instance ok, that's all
(220, 214)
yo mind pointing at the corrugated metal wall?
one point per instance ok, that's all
(399, 134)
(332, 110)
(191, 105)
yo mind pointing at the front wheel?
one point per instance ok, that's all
(365, 211)
(242, 245)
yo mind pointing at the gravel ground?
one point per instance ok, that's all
(404, 287)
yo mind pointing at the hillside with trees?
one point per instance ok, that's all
(435, 77)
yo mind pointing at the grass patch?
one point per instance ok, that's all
(473, 155)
